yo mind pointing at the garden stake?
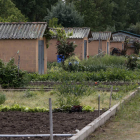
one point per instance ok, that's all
(110, 97)
(51, 121)
(18, 64)
(99, 104)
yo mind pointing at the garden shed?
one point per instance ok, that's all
(100, 42)
(117, 42)
(128, 35)
(25, 42)
(80, 38)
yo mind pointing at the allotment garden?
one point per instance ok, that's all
(74, 89)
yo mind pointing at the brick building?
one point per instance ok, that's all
(26, 39)
(80, 38)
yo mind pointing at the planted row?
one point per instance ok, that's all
(111, 74)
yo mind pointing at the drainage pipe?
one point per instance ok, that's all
(35, 135)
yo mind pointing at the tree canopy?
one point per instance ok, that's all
(99, 15)
(66, 14)
(34, 10)
(9, 13)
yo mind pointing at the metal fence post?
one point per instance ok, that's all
(51, 120)
(110, 97)
(99, 104)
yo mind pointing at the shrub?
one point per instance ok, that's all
(132, 62)
(10, 76)
(2, 98)
(70, 93)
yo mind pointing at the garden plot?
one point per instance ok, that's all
(38, 123)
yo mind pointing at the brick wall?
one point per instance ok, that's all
(27, 51)
(93, 47)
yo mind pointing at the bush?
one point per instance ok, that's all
(10, 77)
(70, 93)
(2, 98)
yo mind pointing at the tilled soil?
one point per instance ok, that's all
(38, 123)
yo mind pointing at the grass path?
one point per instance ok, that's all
(124, 126)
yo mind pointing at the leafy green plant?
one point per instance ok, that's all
(16, 107)
(88, 109)
(29, 94)
(10, 76)
(2, 98)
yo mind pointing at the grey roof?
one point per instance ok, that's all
(126, 35)
(101, 35)
(22, 30)
(77, 32)
(118, 38)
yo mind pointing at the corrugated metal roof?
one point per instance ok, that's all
(118, 38)
(22, 30)
(77, 32)
(101, 35)
(126, 32)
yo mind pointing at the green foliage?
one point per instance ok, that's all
(100, 12)
(88, 109)
(2, 98)
(16, 107)
(29, 94)
(34, 10)
(66, 14)
(94, 64)
(111, 74)
(9, 76)
(132, 62)
(72, 63)
(134, 28)
(64, 47)
(9, 13)
(54, 23)
(137, 46)
(70, 93)
(64, 108)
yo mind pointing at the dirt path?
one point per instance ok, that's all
(124, 126)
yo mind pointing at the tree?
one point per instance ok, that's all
(97, 13)
(134, 28)
(133, 7)
(54, 23)
(120, 14)
(9, 13)
(66, 14)
(34, 10)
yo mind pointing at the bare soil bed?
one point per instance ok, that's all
(38, 123)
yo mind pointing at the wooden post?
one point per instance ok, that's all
(18, 64)
(110, 97)
(51, 120)
(99, 104)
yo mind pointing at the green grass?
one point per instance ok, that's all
(124, 126)
(40, 99)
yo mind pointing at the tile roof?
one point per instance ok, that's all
(22, 30)
(77, 32)
(102, 35)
